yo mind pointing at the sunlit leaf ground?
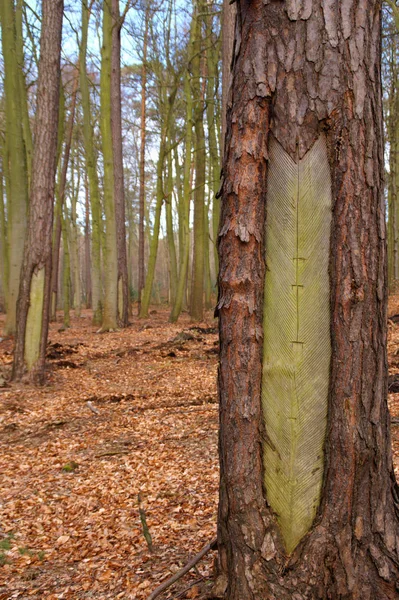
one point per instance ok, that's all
(123, 414)
(70, 478)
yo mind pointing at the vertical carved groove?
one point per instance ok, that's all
(297, 348)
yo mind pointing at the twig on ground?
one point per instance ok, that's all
(192, 584)
(191, 563)
(93, 408)
(146, 529)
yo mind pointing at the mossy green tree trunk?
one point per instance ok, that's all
(34, 293)
(17, 188)
(302, 311)
(26, 128)
(110, 312)
(91, 169)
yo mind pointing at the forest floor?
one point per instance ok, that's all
(126, 426)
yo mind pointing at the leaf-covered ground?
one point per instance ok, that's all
(124, 414)
(127, 425)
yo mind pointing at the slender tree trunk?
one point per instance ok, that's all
(60, 196)
(228, 21)
(34, 295)
(110, 313)
(119, 190)
(146, 296)
(197, 289)
(315, 69)
(17, 192)
(66, 271)
(170, 232)
(91, 168)
(87, 246)
(3, 235)
(184, 250)
(26, 129)
(212, 58)
(141, 260)
(207, 262)
(74, 235)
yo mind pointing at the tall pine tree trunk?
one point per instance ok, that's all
(34, 293)
(308, 497)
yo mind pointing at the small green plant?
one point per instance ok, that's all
(25, 551)
(28, 552)
(5, 544)
(70, 466)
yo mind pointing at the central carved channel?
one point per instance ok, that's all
(297, 345)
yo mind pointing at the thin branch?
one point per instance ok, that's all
(184, 570)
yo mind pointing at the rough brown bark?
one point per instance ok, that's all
(301, 68)
(37, 253)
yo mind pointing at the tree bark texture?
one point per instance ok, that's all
(91, 168)
(141, 258)
(60, 199)
(302, 68)
(34, 293)
(17, 185)
(119, 189)
(197, 285)
(110, 312)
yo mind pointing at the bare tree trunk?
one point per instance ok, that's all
(141, 269)
(60, 203)
(197, 286)
(87, 246)
(110, 312)
(306, 85)
(91, 168)
(34, 294)
(119, 190)
(17, 188)
(228, 20)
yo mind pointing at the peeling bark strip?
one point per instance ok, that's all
(302, 68)
(296, 325)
